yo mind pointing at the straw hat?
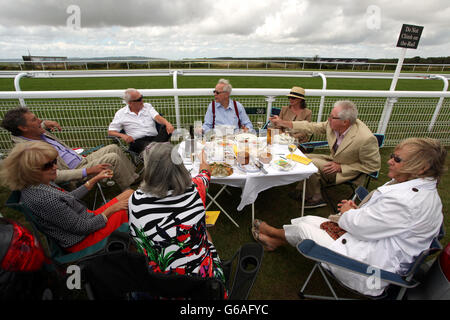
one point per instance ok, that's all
(297, 92)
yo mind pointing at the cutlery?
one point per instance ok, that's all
(260, 166)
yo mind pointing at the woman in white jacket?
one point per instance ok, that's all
(390, 227)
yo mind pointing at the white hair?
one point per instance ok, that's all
(127, 94)
(348, 111)
(227, 86)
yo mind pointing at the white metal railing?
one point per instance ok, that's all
(83, 64)
(85, 115)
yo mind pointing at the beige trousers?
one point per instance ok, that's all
(313, 182)
(123, 168)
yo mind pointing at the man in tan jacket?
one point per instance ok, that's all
(25, 126)
(353, 150)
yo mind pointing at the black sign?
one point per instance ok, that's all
(409, 36)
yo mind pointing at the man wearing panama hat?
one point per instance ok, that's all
(296, 111)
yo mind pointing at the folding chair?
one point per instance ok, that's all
(116, 275)
(53, 250)
(398, 283)
(308, 147)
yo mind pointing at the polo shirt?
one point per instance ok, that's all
(135, 125)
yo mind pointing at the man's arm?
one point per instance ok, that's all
(245, 120)
(276, 120)
(369, 159)
(123, 136)
(207, 123)
(163, 121)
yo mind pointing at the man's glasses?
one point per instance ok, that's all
(218, 92)
(49, 165)
(396, 158)
(138, 99)
(334, 118)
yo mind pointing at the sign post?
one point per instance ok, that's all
(408, 39)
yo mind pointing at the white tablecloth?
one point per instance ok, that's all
(253, 183)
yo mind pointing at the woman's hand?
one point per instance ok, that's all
(203, 164)
(346, 205)
(119, 205)
(104, 174)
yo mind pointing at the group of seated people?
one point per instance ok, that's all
(166, 213)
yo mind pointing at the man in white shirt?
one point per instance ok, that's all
(225, 111)
(135, 123)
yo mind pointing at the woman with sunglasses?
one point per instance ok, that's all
(297, 110)
(31, 168)
(389, 228)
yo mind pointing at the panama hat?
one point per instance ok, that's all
(297, 92)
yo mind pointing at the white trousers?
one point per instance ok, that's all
(307, 227)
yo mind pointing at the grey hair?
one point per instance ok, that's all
(126, 95)
(161, 174)
(227, 86)
(348, 112)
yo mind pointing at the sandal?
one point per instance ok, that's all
(256, 223)
(255, 234)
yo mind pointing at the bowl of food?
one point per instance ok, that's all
(284, 138)
(219, 169)
(246, 138)
(282, 164)
(265, 157)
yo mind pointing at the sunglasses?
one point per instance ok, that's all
(396, 158)
(49, 165)
(334, 118)
(138, 99)
(218, 92)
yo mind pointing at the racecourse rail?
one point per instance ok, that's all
(86, 114)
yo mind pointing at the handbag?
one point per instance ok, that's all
(333, 229)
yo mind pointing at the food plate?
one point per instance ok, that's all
(245, 137)
(282, 164)
(284, 138)
(219, 169)
(250, 168)
(223, 143)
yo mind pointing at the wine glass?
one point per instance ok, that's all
(292, 147)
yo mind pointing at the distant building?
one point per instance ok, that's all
(44, 62)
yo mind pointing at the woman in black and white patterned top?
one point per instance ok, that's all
(31, 168)
(167, 216)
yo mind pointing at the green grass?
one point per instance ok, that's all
(283, 271)
(210, 81)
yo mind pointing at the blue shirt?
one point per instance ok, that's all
(226, 116)
(70, 157)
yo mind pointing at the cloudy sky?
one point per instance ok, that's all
(177, 29)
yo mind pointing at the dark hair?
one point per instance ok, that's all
(303, 104)
(13, 119)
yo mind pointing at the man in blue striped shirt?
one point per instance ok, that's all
(225, 111)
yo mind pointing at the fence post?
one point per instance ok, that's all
(17, 86)
(322, 98)
(387, 111)
(269, 100)
(441, 101)
(175, 97)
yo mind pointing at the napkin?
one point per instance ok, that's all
(298, 158)
(211, 217)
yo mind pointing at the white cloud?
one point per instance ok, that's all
(187, 29)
